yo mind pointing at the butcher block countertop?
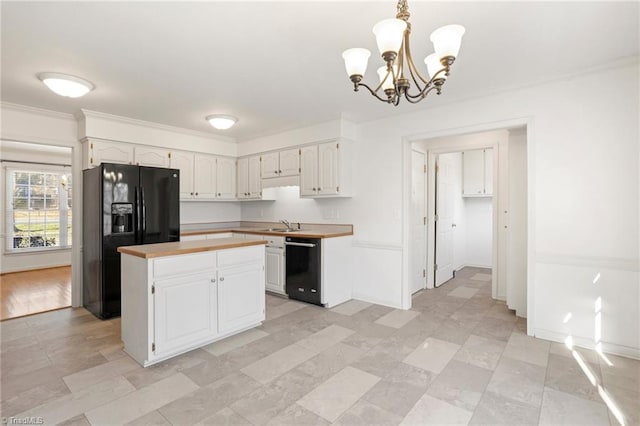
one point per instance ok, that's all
(307, 231)
(149, 251)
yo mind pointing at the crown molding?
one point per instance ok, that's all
(85, 113)
(36, 110)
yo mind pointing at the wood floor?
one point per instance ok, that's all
(32, 292)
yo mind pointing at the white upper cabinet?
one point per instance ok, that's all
(325, 171)
(151, 156)
(242, 182)
(279, 164)
(184, 161)
(204, 177)
(97, 152)
(488, 171)
(248, 185)
(289, 162)
(255, 188)
(309, 170)
(270, 165)
(226, 178)
(328, 169)
(477, 173)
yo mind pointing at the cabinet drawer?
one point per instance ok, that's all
(183, 265)
(239, 256)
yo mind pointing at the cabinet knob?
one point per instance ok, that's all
(192, 193)
(196, 194)
(314, 189)
(319, 189)
(279, 171)
(219, 194)
(213, 280)
(275, 171)
(221, 279)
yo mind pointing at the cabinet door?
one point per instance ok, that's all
(240, 296)
(328, 170)
(473, 172)
(488, 171)
(184, 162)
(204, 184)
(151, 157)
(110, 152)
(270, 165)
(309, 170)
(226, 178)
(255, 186)
(274, 270)
(242, 171)
(184, 311)
(289, 162)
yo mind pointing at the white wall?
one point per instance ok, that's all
(583, 159)
(19, 151)
(202, 212)
(478, 213)
(517, 268)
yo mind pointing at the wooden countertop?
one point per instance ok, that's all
(304, 233)
(149, 251)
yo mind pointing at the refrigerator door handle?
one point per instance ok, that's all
(144, 215)
(137, 221)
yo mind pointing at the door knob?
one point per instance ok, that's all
(221, 279)
(453, 225)
(213, 280)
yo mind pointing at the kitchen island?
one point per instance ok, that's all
(183, 295)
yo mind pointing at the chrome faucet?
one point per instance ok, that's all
(286, 222)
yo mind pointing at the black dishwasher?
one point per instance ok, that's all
(303, 269)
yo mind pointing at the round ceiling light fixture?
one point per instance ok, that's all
(222, 121)
(66, 85)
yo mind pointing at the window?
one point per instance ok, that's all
(39, 215)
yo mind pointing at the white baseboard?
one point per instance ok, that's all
(375, 301)
(609, 348)
(32, 268)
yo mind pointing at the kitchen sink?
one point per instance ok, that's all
(280, 230)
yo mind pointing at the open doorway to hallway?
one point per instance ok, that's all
(472, 212)
(37, 190)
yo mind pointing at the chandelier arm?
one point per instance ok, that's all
(373, 92)
(411, 64)
(413, 77)
(431, 85)
(420, 96)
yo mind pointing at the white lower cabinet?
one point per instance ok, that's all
(190, 300)
(184, 311)
(240, 296)
(274, 266)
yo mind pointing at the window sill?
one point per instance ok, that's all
(10, 252)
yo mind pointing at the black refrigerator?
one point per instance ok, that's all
(122, 205)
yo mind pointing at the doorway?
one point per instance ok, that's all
(37, 188)
(501, 205)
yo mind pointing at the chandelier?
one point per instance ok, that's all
(392, 37)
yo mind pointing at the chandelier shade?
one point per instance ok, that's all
(434, 65)
(389, 35)
(355, 60)
(400, 73)
(446, 40)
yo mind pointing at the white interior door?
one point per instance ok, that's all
(418, 259)
(445, 193)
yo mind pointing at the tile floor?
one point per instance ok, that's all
(457, 357)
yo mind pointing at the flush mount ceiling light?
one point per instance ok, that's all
(66, 85)
(392, 36)
(222, 121)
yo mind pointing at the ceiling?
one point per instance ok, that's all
(278, 65)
